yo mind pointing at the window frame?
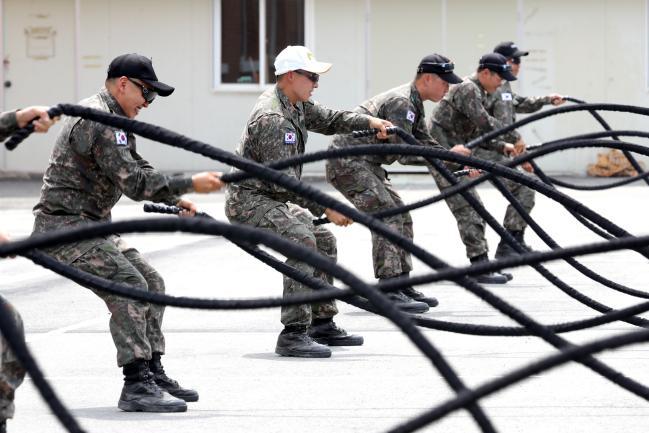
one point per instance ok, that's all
(217, 85)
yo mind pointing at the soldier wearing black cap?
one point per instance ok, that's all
(503, 105)
(363, 181)
(460, 117)
(91, 166)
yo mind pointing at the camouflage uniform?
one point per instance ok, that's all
(460, 117)
(91, 166)
(276, 130)
(11, 371)
(363, 181)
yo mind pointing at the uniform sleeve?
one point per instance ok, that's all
(403, 113)
(134, 176)
(529, 104)
(8, 124)
(327, 121)
(271, 140)
(470, 104)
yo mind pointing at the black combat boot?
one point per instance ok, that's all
(3, 426)
(415, 294)
(141, 394)
(491, 277)
(505, 250)
(294, 341)
(325, 331)
(404, 302)
(168, 384)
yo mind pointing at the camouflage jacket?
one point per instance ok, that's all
(7, 124)
(277, 130)
(463, 115)
(504, 104)
(403, 107)
(91, 166)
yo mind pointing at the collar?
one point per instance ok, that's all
(415, 97)
(292, 110)
(112, 103)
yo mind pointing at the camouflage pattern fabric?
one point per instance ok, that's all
(7, 124)
(365, 185)
(11, 371)
(91, 166)
(295, 223)
(462, 116)
(276, 130)
(503, 104)
(362, 180)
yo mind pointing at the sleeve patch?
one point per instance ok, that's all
(120, 138)
(290, 137)
(410, 116)
(506, 96)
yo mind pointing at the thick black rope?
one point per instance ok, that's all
(522, 373)
(607, 127)
(476, 269)
(240, 233)
(313, 195)
(17, 344)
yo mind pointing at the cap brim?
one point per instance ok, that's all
(317, 67)
(519, 53)
(161, 88)
(450, 78)
(507, 75)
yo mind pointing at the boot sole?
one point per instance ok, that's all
(130, 406)
(187, 398)
(297, 354)
(357, 342)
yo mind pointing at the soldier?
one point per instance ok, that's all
(503, 105)
(363, 181)
(90, 168)
(11, 371)
(277, 129)
(460, 117)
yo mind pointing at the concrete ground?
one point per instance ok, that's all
(244, 387)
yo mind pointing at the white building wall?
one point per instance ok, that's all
(591, 49)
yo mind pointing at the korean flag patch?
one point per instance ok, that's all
(507, 96)
(120, 138)
(410, 116)
(289, 138)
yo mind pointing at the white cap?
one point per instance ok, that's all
(296, 57)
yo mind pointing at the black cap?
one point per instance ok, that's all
(140, 67)
(497, 63)
(440, 65)
(510, 50)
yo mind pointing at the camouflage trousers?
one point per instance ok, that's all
(296, 224)
(11, 371)
(470, 225)
(513, 221)
(365, 185)
(135, 326)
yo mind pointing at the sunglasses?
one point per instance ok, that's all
(496, 67)
(436, 68)
(516, 60)
(310, 75)
(148, 94)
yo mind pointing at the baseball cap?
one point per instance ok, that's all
(296, 57)
(497, 63)
(140, 67)
(509, 50)
(440, 65)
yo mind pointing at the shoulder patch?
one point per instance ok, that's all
(290, 137)
(410, 116)
(120, 138)
(506, 96)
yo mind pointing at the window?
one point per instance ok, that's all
(248, 34)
